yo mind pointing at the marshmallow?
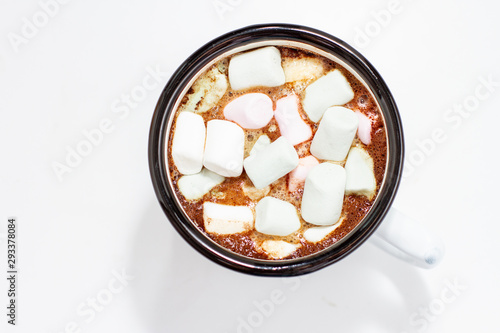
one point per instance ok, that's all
(276, 217)
(335, 134)
(207, 91)
(328, 90)
(291, 124)
(323, 194)
(224, 148)
(317, 234)
(360, 178)
(364, 128)
(250, 111)
(300, 69)
(254, 194)
(225, 220)
(188, 143)
(271, 163)
(299, 174)
(262, 142)
(195, 186)
(278, 249)
(261, 67)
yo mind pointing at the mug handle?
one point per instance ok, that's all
(409, 240)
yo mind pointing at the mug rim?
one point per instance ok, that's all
(250, 35)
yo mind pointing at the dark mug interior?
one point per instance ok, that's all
(248, 38)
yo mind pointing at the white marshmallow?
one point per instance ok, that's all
(278, 249)
(225, 220)
(207, 91)
(299, 174)
(195, 186)
(255, 194)
(364, 128)
(360, 177)
(276, 217)
(291, 124)
(302, 69)
(323, 194)
(317, 234)
(188, 143)
(250, 111)
(335, 134)
(262, 142)
(328, 90)
(261, 67)
(224, 148)
(271, 163)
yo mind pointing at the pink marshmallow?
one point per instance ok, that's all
(299, 174)
(291, 124)
(364, 128)
(251, 111)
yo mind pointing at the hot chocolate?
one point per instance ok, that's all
(277, 152)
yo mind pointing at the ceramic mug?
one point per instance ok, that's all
(386, 227)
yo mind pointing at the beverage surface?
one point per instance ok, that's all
(277, 153)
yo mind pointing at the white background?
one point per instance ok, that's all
(102, 219)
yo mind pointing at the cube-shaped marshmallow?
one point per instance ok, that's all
(323, 194)
(188, 143)
(329, 90)
(335, 133)
(291, 124)
(298, 175)
(261, 67)
(193, 187)
(317, 234)
(271, 163)
(250, 111)
(224, 148)
(225, 219)
(278, 249)
(360, 176)
(302, 69)
(364, 128)
(206, 91)
(276, 217)
(262, 142)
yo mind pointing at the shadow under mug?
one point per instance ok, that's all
(398, 235)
